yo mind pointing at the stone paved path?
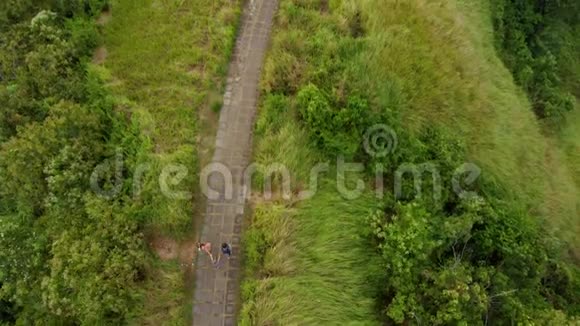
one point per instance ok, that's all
(217, 290)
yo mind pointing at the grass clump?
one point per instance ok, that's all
(307, 264)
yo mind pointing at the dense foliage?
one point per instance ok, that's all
(538, 41)
(67, 255)
(116, 88)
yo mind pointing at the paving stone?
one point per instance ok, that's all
(231, 287)
(229, 321)
(221, 284)
(231, 297)
(233, 274)
(217, 220)
(230, 309)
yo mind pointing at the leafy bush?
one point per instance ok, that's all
(483, 261)
(521, 29)
(335, 131)
(39, 65)
(68, 257)
(83, 37)
(95, 269)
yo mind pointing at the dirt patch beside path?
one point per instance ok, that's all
(100, 55)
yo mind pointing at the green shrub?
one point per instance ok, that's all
(76, 8)
(335, 130)
(481, 260)
(83, 37)
(216, 106)
(521, 29)
(81, 257)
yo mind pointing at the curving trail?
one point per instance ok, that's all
(217, 290)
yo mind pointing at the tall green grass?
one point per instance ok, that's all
(423, 64)
(317, 265)
(441, 56)
(169, 55)
(164, 299)
(570, 140)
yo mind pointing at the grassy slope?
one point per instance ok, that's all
(167, 59)
(439, 57)
(463, 87)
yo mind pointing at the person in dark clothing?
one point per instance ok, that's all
(226, 250)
